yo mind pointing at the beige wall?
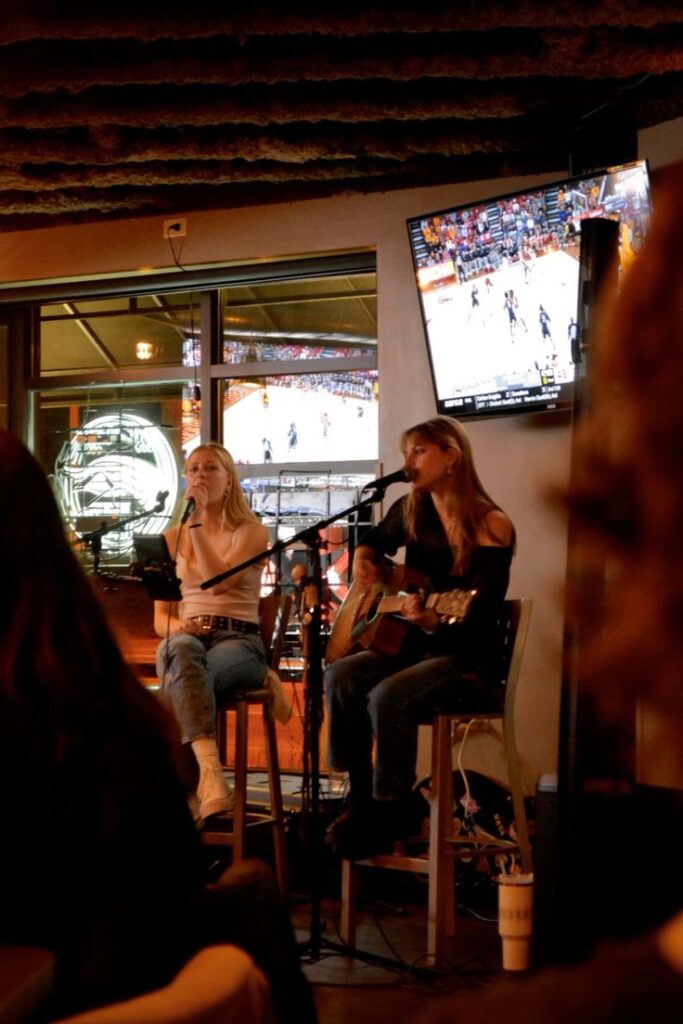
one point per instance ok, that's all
(516, 456)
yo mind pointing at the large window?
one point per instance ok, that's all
(326, 318)
(276, 361)
(115, 333)
(301, 417)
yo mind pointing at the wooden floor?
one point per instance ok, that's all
(391, 917)
(391, 923)
(349, 989)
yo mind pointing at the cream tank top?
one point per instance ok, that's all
(239, 602)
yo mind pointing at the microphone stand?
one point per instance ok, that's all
(312, 591)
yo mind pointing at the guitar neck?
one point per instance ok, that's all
(391, 604)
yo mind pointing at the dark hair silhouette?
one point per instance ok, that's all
(629, 495)
(58, 658)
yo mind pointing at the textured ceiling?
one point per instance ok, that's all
(132, 114)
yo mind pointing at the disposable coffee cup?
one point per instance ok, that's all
(515, 919)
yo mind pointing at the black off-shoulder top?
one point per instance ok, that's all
(475, 642)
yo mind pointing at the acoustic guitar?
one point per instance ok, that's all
(369, 617)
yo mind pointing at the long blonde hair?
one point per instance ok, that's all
(235, 508)
(472, 500)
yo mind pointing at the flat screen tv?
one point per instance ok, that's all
(498, 284)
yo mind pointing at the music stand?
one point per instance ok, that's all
(156, 568)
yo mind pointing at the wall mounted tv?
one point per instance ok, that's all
(498, 286)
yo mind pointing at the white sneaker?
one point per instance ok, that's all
(213, 793)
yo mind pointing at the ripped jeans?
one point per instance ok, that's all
(195, 670)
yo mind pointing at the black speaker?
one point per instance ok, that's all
(597, 271)
(548, 940)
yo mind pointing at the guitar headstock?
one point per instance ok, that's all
(454, 605)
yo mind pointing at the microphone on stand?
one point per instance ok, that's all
(161, 500)
(189, 509)
(398, 476)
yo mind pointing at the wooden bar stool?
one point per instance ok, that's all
(274, 611)
(445, 848)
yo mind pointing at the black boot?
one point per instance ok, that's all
(402, 818)
(364, 829)
(357, 833)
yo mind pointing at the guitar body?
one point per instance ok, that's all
(368, 618)
(358, 625)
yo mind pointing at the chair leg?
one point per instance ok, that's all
(222, 735)
(521, 823)
(347, 927)
(441, 895)
(276, 808)
(448, 863)
(241, 744)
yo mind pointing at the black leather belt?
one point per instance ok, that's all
(223, 624)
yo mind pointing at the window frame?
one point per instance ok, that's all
(22, 304)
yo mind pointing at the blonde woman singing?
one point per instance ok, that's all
(212, 641)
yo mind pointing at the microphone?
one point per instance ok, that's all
(161, 498)
(398, 476)
(189, 509)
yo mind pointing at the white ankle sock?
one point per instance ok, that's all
(205, 749)
(213, 790)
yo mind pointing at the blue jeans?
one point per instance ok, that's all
(375, 695)
(195, 671)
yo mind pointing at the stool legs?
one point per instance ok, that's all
(347, 925)
(241, 821)
(441, 894)
(240, 812)
(440, 865)
(276, 808)
(517, 792)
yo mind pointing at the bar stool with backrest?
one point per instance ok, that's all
(445, 847)
(274, 612)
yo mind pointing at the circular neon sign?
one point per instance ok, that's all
(116, 465)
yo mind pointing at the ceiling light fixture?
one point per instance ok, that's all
(145, 350)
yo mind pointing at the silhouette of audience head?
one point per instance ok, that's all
(629, 494)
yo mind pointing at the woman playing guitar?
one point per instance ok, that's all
(455, 536)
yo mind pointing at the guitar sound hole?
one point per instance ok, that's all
(374, 605)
